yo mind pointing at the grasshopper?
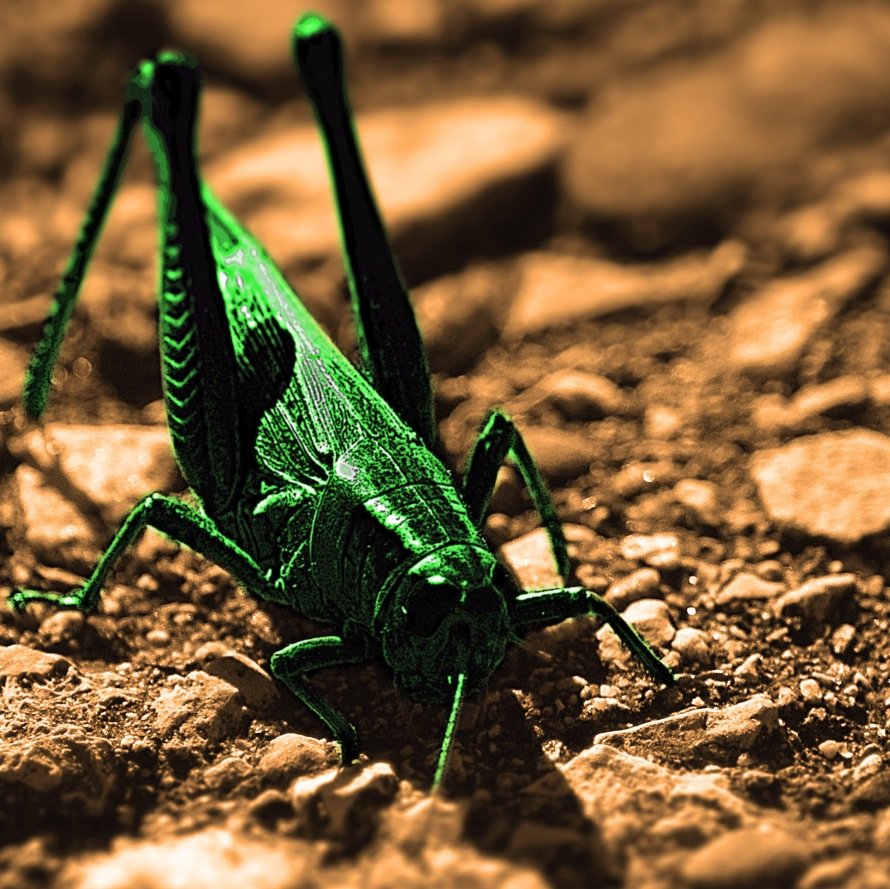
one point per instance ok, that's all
(319, 486)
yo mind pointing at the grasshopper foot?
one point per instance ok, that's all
(22, 598)
(348, 742)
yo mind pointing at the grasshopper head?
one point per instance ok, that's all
(447, 616)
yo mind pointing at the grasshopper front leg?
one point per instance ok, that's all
(179, 522)
(291, 664)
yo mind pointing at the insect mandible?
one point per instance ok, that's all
(319, 485)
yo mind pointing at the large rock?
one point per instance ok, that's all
(343, 803)
(696, 138)
(718, 735)
(836, 484)
(65, 774)
(769, 331)
(250, 44)
(214, 858)
(53, 527)
(559, 289)
(199, 708)
(19, 662)
(747, 859)
(108, 466)
(632, 801)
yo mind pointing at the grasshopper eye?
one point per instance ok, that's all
(429, 607)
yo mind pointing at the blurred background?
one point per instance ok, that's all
(653, 123)
(632, 129)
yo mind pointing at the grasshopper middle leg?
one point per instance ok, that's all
(547, 607)
(498, 440)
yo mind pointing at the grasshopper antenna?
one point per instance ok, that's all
(39, 375)
(445, 750)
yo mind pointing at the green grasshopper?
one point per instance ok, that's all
(319, 486)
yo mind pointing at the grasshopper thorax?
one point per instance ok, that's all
(446, 615)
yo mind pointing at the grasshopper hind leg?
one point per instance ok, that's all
(392, 351)
(39, 375)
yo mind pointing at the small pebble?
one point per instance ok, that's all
(640, 584)
(830, 749)
(837, 398)
(199, 708)
(561, 454)
(290, 755)
(652, 618)
(873, 792)
(745, 587)
(770, 569)
(692, 646)
(810, 690)
(816, 599)
(869, 766)
(226, 774)
(577, 395)
(61, 626)
(842, 639)
(530, 557)
(256, 686)
(836, 873)
(660, 551)
(157, 638)
(661, 423)
(699, 498)
(749, 669)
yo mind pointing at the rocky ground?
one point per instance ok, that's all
(656, 233)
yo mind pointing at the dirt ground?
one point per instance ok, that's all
(655, 233)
